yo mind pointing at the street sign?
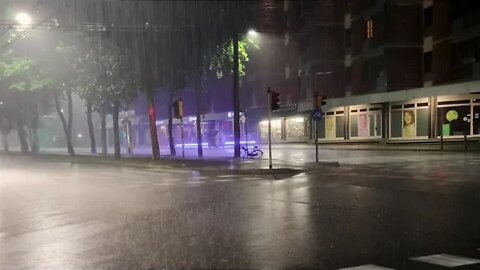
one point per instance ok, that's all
(289, 107)
(317, 114)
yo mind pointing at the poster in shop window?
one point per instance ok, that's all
(330, 128)
(362, 125)
(455, 120)
(409, 127)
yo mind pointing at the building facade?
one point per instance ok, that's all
(409, 70)
(392, 70)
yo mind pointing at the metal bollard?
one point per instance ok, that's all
(441, 142)
(465, 141)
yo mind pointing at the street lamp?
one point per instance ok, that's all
(252, 33)
(23, 19)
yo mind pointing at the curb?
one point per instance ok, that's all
(278, 171)
(179, 166)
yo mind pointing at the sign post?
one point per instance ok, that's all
(183, 138)
(316, 140)
(270, 128)
(178, 112)
(243, 119)
(317, 115)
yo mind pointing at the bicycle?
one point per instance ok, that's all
(254, 153)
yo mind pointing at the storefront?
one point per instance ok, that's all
(297, 128)
(365, 122)
(289, 128)
(410, 119)
(458, 115)
(217, 130)
(406, 115)
(332, 126)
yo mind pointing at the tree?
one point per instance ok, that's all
(231, 57)
(89, 90)
(121, 86)
(6, 118)
(222, 61)
(62, 86)
(234, 15)
(103, 80)
(25, 80)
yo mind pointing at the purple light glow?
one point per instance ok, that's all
(241, 142)
(191, 145)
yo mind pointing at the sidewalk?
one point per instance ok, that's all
(210, 165)
(448, 146)
(473, 146)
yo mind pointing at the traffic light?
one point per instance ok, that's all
(319, 101)
(178, 109)
(274, 100)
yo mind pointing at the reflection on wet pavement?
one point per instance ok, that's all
(62, 216)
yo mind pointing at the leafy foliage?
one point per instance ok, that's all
(22, 74)
(101, 73)
(222, 61)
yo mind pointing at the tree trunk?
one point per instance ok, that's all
(70, 113)
(68, 134)
(34, 129)
(103, 124)
(152, 121)
(171, 142)
(91, 132)
(198, 97)
(116, 130)
(21, 134)
(6, 146)
(236, 97)
(35, 144)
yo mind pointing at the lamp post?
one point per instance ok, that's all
(23, 19)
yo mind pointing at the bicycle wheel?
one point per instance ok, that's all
(258, 154)
(243, 153)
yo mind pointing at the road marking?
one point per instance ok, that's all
(446, 260)
(367, 267)
(252, 178)
(195, 182)
(224, 180)
(226, 176)
(197, 177)
(133, 186)
(143, 182)
(162, 184)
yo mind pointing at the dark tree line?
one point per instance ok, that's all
(123, 47)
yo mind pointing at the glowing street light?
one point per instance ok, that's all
(252, 33)
(23, 19)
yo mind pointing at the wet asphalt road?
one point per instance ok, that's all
(64, 216)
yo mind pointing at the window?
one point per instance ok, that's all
(428, 17)
(348, 39)
(454, 120)
(369, 29)
(427, 62)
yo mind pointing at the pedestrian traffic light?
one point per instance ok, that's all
(178, 109)
(274, 100)
(319, 101)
